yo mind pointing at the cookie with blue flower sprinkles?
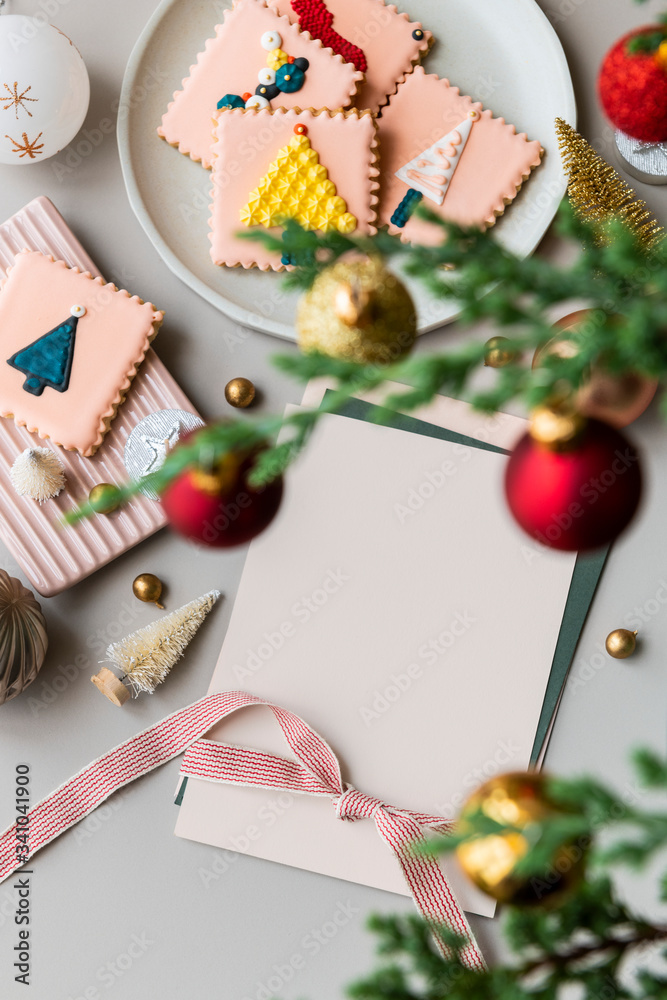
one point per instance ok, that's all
(374, 36)
(256, 59)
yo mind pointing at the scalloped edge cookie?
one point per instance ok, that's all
(247, 141)
(491, 169)
(27, 303)
(384, 34)
(330, 81)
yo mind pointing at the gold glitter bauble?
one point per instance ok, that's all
(621, 643)
(520, 801)
(240, 392)
(359, 311)
(104, 498)
(148, 587)
(496, 354)
(556, 427)
(598, 193)
(617, 400)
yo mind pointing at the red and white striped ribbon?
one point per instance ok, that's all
(316, 771)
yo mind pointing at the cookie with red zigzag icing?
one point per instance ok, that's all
(368, 33)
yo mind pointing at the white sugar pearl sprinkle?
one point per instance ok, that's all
(257, 102)
(271, 40)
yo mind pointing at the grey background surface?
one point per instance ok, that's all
(122, 908)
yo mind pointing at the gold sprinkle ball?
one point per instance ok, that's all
(621, 643)
(240, 392)
(358, 311)
(148, 587)
(496, 354)
(104, 498)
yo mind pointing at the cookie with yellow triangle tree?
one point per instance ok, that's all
(318, 168)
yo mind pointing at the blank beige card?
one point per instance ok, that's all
(396, 607)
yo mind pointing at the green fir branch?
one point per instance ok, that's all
(623, 285)
(582, 942)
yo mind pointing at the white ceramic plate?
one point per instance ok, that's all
(506, 55)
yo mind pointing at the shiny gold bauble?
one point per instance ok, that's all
(520, 801)
(617, 400)
(104, 498)
(621, 643)
(240, 392)
(148, 587)
(556, 427)
(359, 311)
(496, 354)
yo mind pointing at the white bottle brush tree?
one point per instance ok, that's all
(38, 473)
(145, 657)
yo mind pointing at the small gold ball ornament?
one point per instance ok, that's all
(358, 311)
(496, 353)
(520, 801)
(148, 587)
(621, 643)
(104, 498)
(240, 392)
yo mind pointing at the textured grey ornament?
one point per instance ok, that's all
(152, 439)
(23, 638)
(646, 161)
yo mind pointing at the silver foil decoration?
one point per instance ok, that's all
(647, 161)
(151, 441)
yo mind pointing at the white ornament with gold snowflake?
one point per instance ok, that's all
(44, 90)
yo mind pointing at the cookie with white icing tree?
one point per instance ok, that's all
(256, 59)
(441, 147)
(317, 167)
(382, 42)
(70, 347)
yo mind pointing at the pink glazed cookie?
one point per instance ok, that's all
(256, 59)
(382, 42)
(441, 147)
(71, 346)
(318, 167)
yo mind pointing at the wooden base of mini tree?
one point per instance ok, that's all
(111, 687)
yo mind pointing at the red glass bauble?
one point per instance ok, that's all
(577, 499)
(633, 90)
(218, 507)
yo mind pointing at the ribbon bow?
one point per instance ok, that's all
(316, 771)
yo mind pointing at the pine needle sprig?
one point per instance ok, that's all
(584, 943)
(621, 280)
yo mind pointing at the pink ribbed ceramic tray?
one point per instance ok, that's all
(52, 557)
